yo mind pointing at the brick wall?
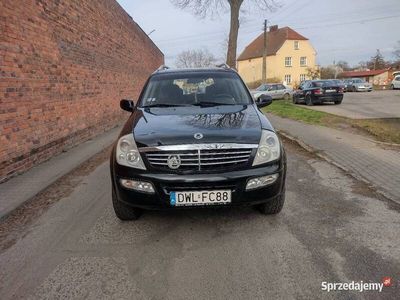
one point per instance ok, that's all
(64, 66)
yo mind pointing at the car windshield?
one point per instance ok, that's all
(262, 87)
(180, 89)
(358, 80)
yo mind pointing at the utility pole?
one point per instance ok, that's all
(264, 65)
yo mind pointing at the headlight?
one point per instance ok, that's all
(128, 153)
(269, 148)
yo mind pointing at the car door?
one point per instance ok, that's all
(300, 93)
(272, 91)
(396, 82)
(279, 91)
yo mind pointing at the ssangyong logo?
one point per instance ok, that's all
(174, 161)
(198, 136)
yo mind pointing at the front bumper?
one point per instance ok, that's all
(363, 88)
(329, 98)
(164, 183)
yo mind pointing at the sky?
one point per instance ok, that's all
(349, 30)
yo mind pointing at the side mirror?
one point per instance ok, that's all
(127, 105)
(264, 100)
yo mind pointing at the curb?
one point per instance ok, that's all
(353, 174)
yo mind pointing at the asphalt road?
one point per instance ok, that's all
(365, 105)
(332, 229)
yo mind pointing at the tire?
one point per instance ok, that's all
(274, 206)
(286, 96)
(309, 101)
(294, 100)
(124, 212)
(392, 87)
(337, 102)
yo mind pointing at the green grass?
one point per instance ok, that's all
(384, 130)
(287, 109)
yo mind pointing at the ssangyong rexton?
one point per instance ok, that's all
(196, 138)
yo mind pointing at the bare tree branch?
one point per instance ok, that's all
(204, 8)
(195, 59)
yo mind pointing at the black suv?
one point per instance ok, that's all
(196, 138)
(313, 92)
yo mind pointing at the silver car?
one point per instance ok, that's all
(275, 90)
(358, 85)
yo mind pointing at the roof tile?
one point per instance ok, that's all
(275, 40)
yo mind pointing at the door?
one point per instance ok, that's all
(280, 91)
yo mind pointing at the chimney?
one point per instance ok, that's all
(273, 28)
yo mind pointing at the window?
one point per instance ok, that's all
(288, 61)
(303, 61)
(302, 77)
(296, 45)
(185, 89)
(281, 87)
(288, 78)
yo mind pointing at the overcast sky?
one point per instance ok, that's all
(349, 30)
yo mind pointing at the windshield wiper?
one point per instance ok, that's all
(164, 105)
(210, 103)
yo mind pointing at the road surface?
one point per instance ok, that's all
(67, 243)
(365, 105)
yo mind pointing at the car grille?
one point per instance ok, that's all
(200, 159)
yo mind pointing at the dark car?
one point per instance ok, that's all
(313, 92)
(339, 83)
(196, 138)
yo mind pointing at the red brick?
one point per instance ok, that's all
(63, 69)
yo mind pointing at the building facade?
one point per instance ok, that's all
(376, 77)
(289, 55)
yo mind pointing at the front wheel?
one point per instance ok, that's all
(392, 87)
(274, 206)
(309, 101)
(286, 96)
(337, 102)
(294, 100)
(124, 212)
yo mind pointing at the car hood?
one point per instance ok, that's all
(178, 125)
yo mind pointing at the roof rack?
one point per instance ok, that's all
(224, 66)
(162, 67)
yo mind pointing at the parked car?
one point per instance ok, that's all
(313, 92)
(339, 83)
(196, 138)
(395, 83)
(275, 90)
(358, 85)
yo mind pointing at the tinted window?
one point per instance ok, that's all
(320, 83)
(281, 87)
(262, 87)
(194, 88)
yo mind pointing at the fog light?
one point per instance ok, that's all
(258, 182)
(141, 186)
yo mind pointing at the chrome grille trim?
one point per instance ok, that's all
(200, 157)
(214, 146)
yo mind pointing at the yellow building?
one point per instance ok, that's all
(289, 55)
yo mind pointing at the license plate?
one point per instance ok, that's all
(330, 91)
(193, 198)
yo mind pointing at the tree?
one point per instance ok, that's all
(313, 73)
(377, 61)
(327, 72)
(195, 59)
(396, 51)
(202, 8)
(343, 64)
